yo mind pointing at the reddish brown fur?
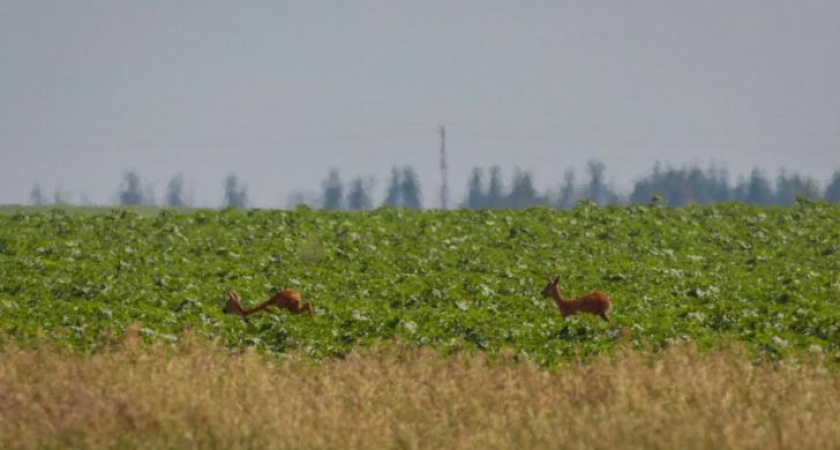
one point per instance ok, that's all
(285, 299)
(593, 303)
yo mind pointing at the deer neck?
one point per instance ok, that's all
(256, 309)
(558, 298)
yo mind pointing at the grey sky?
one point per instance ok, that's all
(279, 92)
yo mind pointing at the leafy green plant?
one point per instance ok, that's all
(454, 279)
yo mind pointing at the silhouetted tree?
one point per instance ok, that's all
(333, 197)
(683, 186)
(523, 194)
(131, 193)
(566, 199)
(476, 198)
(36, 197)
(175, 192)
(758, 189)
(739, 192)
(60, 197)
(394, 196)
(695, 188)
(410, 189)
(720, 184)
(832, 191)
(495, 194)
(597, 191)
(358, 198)
(642, 191)
(236, 193)
(789, 187)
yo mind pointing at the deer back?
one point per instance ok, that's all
(594, 302)
(286, 298)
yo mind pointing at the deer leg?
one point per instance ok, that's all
(604, 316)
(298, 309)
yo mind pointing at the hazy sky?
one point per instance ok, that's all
(281, 91)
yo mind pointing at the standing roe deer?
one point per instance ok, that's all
(594, 302)
(285, 299)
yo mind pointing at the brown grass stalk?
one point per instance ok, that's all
(198, 396)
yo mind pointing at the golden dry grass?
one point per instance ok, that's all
(197, 396)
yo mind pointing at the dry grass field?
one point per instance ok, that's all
(198, 396)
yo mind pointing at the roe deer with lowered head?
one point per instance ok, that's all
(285, 299)
(594, 302)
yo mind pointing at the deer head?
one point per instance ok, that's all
(234, 305)
(550, 288)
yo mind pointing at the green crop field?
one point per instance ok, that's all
(429, 329)
(769, 277)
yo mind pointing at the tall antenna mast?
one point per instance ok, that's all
(444, 188)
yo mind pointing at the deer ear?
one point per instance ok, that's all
(556, 280)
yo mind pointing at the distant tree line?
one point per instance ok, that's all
(522, 194)
(403, 191)
(685, 185)
(675, 186)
